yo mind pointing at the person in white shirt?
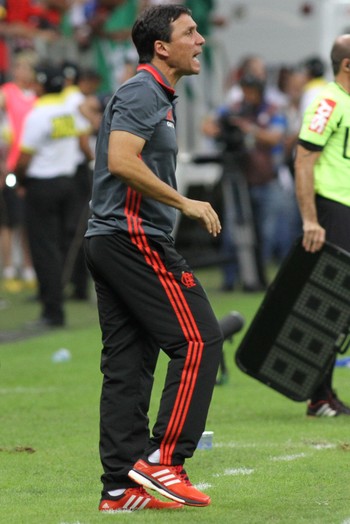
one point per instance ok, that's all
(46, 169)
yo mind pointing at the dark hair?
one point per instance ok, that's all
(154, 23)
(252, 81)
(50, 77)
(314, 67)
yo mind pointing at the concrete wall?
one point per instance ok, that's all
(279, 29)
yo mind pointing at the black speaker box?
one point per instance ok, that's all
(303, 321)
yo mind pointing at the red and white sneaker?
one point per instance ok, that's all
(170, 481)
(134, 499)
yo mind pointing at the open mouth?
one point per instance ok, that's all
(195, 57)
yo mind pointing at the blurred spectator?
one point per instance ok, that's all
(16, 100)
(76, 33)
(112, 45)
(23, 21)
(314, 70)
(76, 22)
(294, 89)
(46, 168)
(253, 129)
(289, 223)
(253, 65)
(78, 85)
(89, 82)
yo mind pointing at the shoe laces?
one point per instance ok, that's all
(143, 492)
(180, 472)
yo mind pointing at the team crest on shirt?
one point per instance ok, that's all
(187, 279)
(170, 119)
(323, 113)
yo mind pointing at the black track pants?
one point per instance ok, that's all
(50, 209)
(148, 299)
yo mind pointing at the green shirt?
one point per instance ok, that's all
(326, 128)
(111, 55)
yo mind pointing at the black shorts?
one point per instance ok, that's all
(335, 218)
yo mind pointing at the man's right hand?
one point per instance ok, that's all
(204, 213)
(314, 236)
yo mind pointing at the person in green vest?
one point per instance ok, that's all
(322, 168)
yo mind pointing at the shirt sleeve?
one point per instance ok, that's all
(135, 110)
(319, 122)
(73, 103)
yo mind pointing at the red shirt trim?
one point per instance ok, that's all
(156, 75)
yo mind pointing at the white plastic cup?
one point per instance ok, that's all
(61, 355)
(206, 440)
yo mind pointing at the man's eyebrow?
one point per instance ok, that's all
(192, 26)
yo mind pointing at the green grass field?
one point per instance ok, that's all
(269, 463)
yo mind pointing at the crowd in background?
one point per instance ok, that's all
(256, 129)
(89, 42)
(93, 33)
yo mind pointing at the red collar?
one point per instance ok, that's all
(156, 74)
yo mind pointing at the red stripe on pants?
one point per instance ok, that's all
(186, 321)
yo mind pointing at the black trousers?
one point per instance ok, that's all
(335, 218)
(148, 299)
(50, 207)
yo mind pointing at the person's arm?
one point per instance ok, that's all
(124, 161)
(22, 166)
(314, 235)
(271, 136)
(90, 108)
(2, 100)
(85, 147)
(268, 137)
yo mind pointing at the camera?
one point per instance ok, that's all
(231, 136)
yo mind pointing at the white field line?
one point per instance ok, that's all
(235, 472)
(320, 447)
(243, 445)
(203, 485)
(288, 458)
(252, 445)
(346, 521)
(317, 446)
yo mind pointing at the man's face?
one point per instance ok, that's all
(252, 95)
(23, 72)
(184, 46)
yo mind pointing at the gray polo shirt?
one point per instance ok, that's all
(143, 106)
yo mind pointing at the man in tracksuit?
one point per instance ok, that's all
(148, 297)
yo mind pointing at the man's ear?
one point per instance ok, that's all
(161, 48)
